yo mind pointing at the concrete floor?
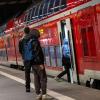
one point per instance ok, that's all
(13, 90)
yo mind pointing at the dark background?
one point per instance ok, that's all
(10, 8)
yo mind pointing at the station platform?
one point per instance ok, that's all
(12, 87)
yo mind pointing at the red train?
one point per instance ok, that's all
(77, 20)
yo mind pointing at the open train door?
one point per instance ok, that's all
(64, 28)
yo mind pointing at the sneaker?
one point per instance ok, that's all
(44, 97)
(39, 97)
(27, 89)
(58, 79)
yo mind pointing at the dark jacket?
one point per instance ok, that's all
(39, 59)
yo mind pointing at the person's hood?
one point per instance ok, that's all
(65, 41)
(35, 33)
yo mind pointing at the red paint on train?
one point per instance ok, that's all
(85, 31)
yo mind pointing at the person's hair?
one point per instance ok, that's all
(27, 30)
(35, 33)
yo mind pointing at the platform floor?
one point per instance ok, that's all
(12, 87)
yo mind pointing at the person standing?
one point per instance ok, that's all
(40, 77)
(65, 61)
(36, 62)
(27, 63)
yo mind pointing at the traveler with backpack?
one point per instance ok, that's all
(32, 54)
(65, 61)
(26, 60)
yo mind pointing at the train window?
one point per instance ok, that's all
(43, 49)
(56, 5)
(36, 12)
(91, 41)
(32, 14)
(45, 8)
(4, 54)
(47, 57)
(84, 42)
(29, 14)
(63, 4)
(52, 55)
(8, 42)
(50, 8)
(59, 56)
(40, 10)
(0, 53)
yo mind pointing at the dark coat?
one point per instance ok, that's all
(39, 59)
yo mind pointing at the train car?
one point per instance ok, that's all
(12, 36)
(3, 50)
(76, 20)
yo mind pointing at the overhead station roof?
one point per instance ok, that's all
(10, 8)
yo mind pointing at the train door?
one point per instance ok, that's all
(64, 28)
